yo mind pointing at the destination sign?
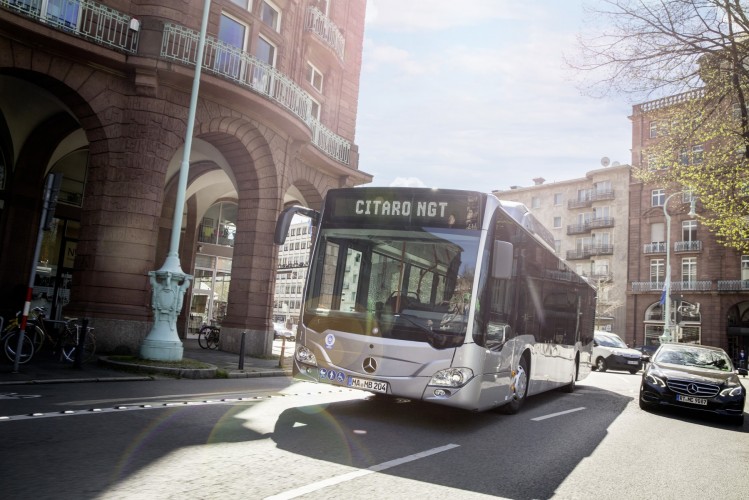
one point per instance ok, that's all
(405, 206)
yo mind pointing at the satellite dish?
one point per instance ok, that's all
(615, 164)
(605, 161)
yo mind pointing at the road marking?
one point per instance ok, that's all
(359, 473)
(538, 419)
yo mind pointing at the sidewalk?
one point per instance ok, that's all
(224, 364)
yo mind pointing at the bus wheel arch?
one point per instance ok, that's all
(520, 382)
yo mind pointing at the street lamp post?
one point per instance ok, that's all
(170, 283)
(667, 337)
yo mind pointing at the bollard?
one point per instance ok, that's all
(241, 351)
(78, 362)
(283, 348)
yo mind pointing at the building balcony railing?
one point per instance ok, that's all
(603, 194)
(676, 286)
(733, 285)
(590, 251)
(321, 25)
(590, 224)
(180, 44)
(656, 247)
(82, 18)
(579, 203)
(688, 246)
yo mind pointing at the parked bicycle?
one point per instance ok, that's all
(64, 336)
(208, 336)
(9, 341)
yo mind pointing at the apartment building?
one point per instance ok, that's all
(100, 92)
(709, 282)
(588, 219)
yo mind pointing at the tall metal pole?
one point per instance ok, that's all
(170, 283)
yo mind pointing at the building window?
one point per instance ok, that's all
(314, 77)
(657, 270)
(315, 110)
(657, 232)
(602, 187)
(270, 15)
(558, 247)
(266, 51)
(234, 34)
(601, 212)
(697, 154)
(736, 111)
(745, 267)
(584, 194)
(689, 269)
(558, 198)
(689, 230)
(243, 3)
(653, 129)
(535, 202)
(658, 197)
(557, 222)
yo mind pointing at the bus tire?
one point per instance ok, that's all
(520, 389)
(570, 388)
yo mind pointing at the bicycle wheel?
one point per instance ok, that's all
(203, 336)
(37, 336)
(212, 338)
(11, 346)
(70, 342)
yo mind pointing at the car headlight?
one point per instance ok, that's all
(654, 377)
(733, 390)
(452, 377)
(304, 355)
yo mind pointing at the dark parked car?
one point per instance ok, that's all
(693, 377)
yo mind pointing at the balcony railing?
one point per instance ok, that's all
(603, 194)
(319, 24)
(590, 251)
(579, 203)
(688, 246)
(83, 18)
(657, 247)
(180, 44)
(590, 224)
(733, 285)
(676, 286)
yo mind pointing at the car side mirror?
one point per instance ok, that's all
(743, 371)
(646, 358)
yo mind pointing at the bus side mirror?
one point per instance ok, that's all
(502, 262)
(284, 221)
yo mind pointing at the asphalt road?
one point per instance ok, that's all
(275, 438)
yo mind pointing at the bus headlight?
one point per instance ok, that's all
(452, 377)
(304, 355)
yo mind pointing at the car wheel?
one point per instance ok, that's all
(520, 389)
(643, 404)
(601, 365)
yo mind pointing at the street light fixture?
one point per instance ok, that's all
(667, 337)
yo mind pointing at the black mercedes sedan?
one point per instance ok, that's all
(693, 377)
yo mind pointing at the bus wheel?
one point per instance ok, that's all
(519, 389)
(570, 388)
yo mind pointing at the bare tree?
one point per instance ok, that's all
(697, 53)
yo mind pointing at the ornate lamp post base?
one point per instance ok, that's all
(162, 342)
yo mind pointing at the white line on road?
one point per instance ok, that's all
(537, 419)
(359, 473)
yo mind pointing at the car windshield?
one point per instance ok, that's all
(610, 341)
(697, 357)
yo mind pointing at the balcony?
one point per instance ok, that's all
(326, 30)
(590, 251)
(688, 246)
(676, 286)
(590, 224)
(657, 247)
(733, 286)
(579, 203)
(180, 44)
(92, 21)
(604, 194)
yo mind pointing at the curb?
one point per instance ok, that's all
(192, 373)
(74, 380)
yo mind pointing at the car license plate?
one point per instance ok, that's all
(691, 400)
(633, 362)
(368, 385)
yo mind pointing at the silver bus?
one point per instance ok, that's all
(445, 296)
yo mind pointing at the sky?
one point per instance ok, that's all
(476, 94)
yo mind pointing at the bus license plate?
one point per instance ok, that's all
(368, 385)
(691, 399)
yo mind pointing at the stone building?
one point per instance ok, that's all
(100, 92)
(703, 272)
(588, 219)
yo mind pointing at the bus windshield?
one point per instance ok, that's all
(409, 284)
